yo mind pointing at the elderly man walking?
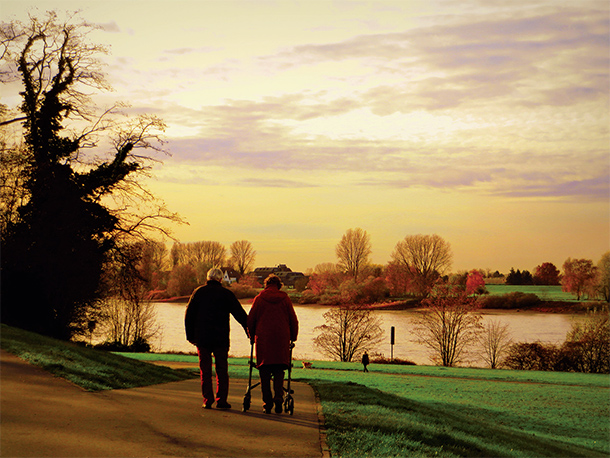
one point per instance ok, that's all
(207, 326)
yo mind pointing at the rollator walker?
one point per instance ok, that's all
(288, 402)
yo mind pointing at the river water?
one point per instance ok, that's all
(523, 327)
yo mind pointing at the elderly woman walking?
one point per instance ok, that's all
(273, 324)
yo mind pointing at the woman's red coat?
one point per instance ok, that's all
(273, 323)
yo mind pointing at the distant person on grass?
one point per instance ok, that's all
(273, 325)
(207, 326)
(365, 361)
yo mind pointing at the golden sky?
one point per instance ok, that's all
(289, 122)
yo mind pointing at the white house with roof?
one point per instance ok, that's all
(230, 276)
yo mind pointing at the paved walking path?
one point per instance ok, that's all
(42, 415)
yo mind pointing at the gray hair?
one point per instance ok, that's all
(215, 274)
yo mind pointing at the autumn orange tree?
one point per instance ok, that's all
(579, 276)
(475, 283)
(547, 274)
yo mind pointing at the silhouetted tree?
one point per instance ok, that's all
(519, 277)
(63, 227)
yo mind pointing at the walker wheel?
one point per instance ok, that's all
(289, 405)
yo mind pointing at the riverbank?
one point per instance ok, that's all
(548, 306)
(542, 307)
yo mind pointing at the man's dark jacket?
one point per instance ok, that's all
(207, 316)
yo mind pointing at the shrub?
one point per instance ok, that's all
(514, 300)
(138, 346)
(243, 291)
(372, 290)
(534, 356)
(383, 360)
(309, 297)
(587, 345)
(300, 284)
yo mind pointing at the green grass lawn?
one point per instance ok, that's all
(422, 414)
(545, 293)
(392, 410)
(438, 411)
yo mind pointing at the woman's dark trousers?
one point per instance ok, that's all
(275, 371)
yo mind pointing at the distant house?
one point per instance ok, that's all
(286, 274)
(230, 276)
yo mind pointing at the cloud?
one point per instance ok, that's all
(513, 103)
(110, 27)
(592, 189)
(510, 58)
(275, 183)
(184, 51)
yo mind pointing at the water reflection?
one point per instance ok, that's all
(523, 326)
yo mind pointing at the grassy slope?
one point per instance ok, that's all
(88, 368)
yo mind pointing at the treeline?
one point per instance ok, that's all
(418, 263)
(179, 270)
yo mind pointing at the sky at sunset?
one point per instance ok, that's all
(289, 122)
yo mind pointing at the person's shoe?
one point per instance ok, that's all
(278, 406)
(223, 405)
(267, 409)
(207, 406)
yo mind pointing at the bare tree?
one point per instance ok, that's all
(214, 254)
(242, 256)
(448, 326)
(353, 251)
(495, 341)
(326, 267)
(125, 317)
(349, 331)
(204, 253)
(426, 258)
